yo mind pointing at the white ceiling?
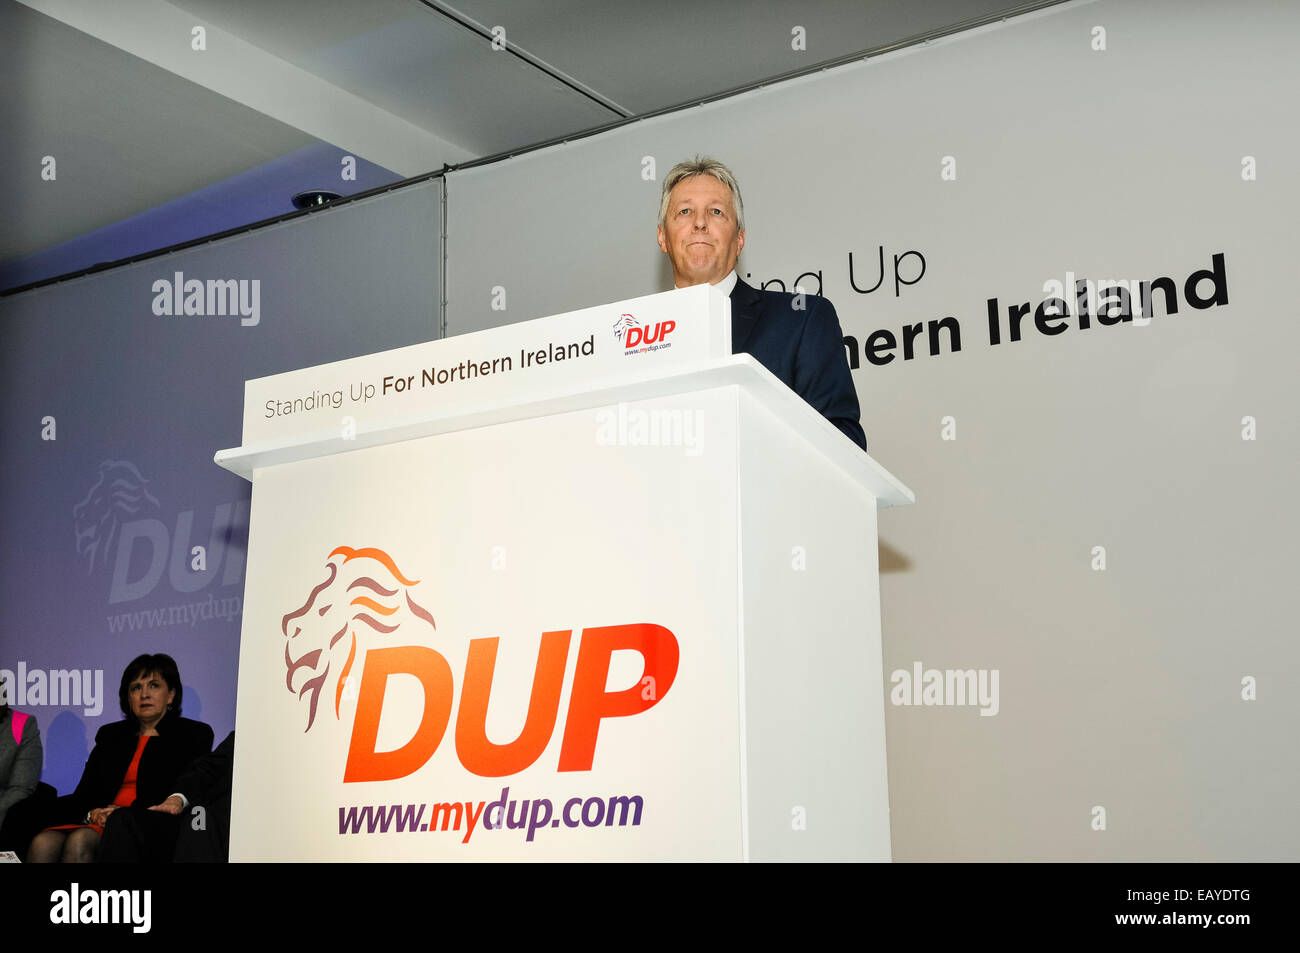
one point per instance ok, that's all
(137, 118)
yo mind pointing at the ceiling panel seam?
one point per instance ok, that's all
(509, 46)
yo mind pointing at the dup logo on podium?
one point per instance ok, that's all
(363, 616)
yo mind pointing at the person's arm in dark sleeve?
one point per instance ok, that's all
(208, 774)
(90, 789)
(202, 741)
(821, 373)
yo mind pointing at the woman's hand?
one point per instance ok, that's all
(99, 816)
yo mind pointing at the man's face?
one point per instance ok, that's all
(699, 234)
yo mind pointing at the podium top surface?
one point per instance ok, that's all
(643, 348)
(737, 369)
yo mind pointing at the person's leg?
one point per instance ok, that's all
(27, 819)
(204, 836)
(12, 830)
(47, 847)
(158, 835)
(123, 840)
(80, 846)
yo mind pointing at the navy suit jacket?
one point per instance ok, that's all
(804, 348)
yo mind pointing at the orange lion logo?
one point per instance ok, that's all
(363, 591)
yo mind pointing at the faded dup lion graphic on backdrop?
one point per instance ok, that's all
(363, 593)
(120, 494)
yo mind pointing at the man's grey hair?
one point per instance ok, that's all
(702, 165)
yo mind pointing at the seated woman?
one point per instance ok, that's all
(134, 762)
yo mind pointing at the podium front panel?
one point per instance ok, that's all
(513, 642)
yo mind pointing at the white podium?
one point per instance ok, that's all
(588, 587)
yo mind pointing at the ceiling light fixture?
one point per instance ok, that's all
(313, 198)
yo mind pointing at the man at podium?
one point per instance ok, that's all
(797, 337)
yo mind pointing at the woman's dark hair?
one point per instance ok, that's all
(143, 665)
